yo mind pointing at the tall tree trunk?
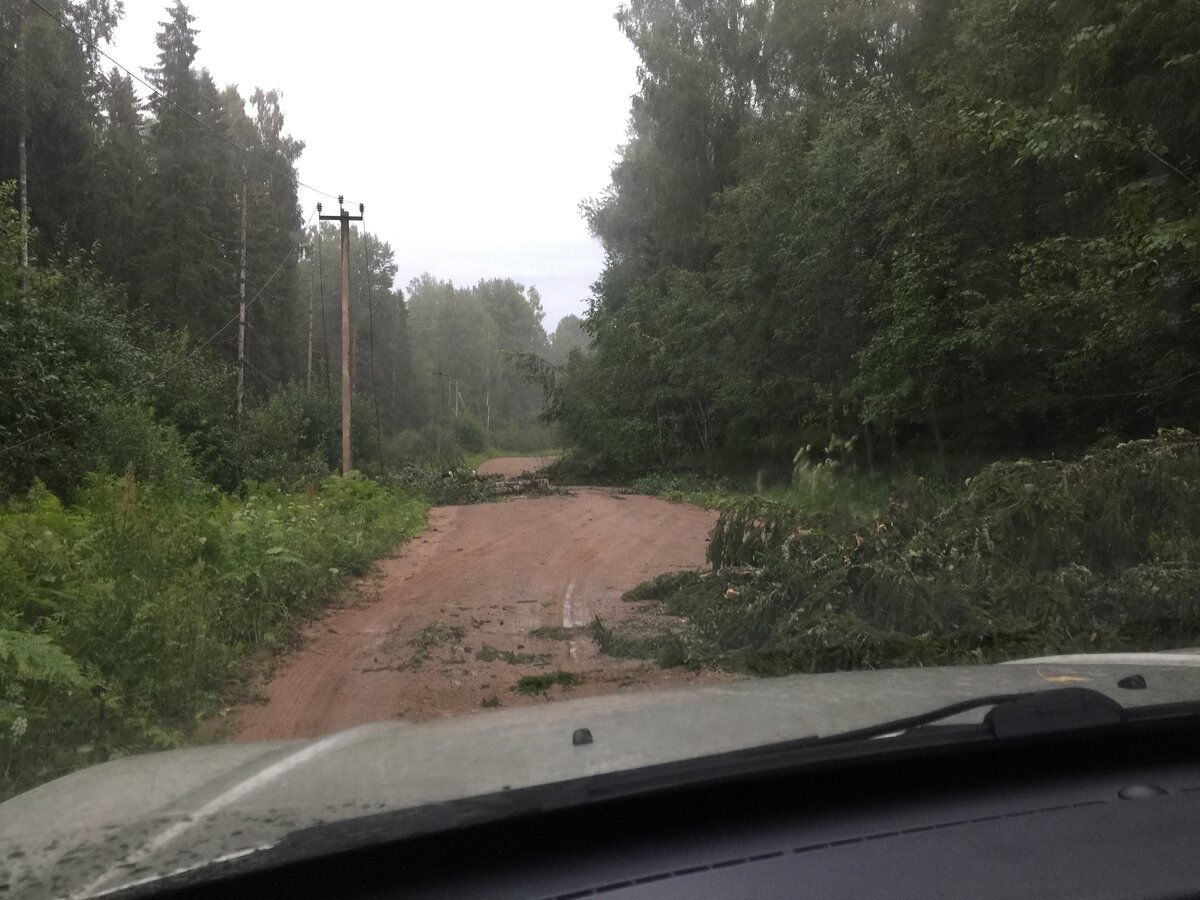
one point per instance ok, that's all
(396, 418)
(308, 363)
(22, 153)
(241, 337)
(23, 179)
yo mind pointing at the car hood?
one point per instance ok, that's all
(131, 822)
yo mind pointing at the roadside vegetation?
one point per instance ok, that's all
(541, 684)
(152, 543)
(127, 617)
(1029, 558)
(853, 492)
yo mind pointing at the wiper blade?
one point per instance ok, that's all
(1009, 715)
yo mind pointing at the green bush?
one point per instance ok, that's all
(71, 357)
(123, 617)
(434, 446)
(126, 437)
(294, 436)
(469, 433)
(525, 437)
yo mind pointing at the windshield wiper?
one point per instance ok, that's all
(1010, 715)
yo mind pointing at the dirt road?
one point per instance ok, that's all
(512, 466)
(489, 594)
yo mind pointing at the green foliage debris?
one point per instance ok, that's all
(488, 653)
(1031, 558)
(539, 684)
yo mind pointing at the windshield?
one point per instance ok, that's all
(397, 362)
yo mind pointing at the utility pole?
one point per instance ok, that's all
(241, 338)
(22, 156)
(308, 364)
(345, 218)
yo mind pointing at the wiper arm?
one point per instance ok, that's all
(1009, 716)
(1057, 710)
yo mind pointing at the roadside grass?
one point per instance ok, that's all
(1026, 559)
(540, 684)
(488, 653)
(552, 633)
(127, 619)
(429, 638)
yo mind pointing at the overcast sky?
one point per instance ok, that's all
(471, 130)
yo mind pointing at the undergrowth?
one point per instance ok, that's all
(1030, 558)
(539, 684)
(551, 633)
(488, 653)
(124, 617)
(429, 638)
(852, 492)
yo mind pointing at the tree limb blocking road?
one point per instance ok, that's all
(488, 595)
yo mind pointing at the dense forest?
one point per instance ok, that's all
(168, 506)
(127, 217)
(893, 229)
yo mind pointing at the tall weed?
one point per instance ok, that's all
(124, 617)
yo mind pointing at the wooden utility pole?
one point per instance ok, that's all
(345, 218)
(308, 364)
(241, 338)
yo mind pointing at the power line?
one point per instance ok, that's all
(157, 93)
(175, 365)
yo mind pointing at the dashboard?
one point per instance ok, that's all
(1107, 816)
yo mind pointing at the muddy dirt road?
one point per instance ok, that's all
(489, 594)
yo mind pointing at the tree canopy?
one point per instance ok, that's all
(928, 224)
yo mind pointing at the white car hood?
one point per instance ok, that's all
(133, 821)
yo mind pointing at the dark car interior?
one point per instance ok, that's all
(1103, 815)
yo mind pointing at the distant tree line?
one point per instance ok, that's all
(918, 225)
(134, 233)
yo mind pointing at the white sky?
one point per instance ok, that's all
(470, 129)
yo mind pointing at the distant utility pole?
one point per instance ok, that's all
(308, 364)
(241, 337)
(345, 218)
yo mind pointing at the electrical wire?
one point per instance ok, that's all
(290, 176)
(175, 365)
